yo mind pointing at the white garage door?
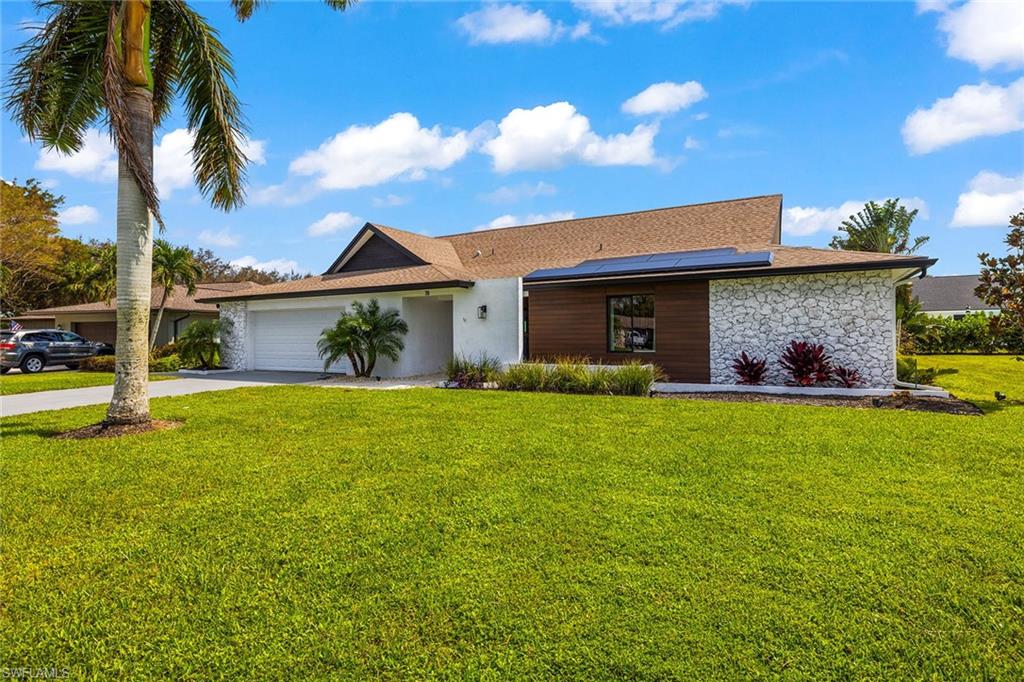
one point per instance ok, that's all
(286, 339)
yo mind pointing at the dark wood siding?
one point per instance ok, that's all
(376, 254)
(574, 321)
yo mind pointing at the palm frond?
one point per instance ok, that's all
(212, 110)
(55, 88)
(165, 45)
(339, 4)
(244, 8)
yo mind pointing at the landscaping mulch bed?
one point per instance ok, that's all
(899, 401)
(114, 431)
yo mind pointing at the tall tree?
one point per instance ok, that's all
(29, 246)
(123, 61)
(172, 266)
(883, 229)
(1002, 285)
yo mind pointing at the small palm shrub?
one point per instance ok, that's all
(473, 372)
(523, 376)
(846, 377)
(807, 363)
(199, 344)
(363, 335)
(750, 370)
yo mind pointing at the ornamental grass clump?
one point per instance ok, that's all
(807, 363)
(465, 372)
(523, 376)
(634, 378)
(750, 370)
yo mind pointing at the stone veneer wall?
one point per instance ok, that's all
(233, 347)
(852, 313)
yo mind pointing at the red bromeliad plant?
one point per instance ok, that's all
(849, 378)
(807, 363)
(749, 370)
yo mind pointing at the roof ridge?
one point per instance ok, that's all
(606, 215)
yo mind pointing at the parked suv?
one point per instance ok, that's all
(31, 350)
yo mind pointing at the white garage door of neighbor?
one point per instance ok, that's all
(286, 339)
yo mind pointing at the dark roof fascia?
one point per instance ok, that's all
(351, 248)
(446, 284)
(637, 273)
(918, 264)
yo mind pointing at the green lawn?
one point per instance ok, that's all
(312, 532)
(11, 384)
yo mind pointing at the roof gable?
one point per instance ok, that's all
(373, 249)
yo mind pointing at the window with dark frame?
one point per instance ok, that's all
(631, 323)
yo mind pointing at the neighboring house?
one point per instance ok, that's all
(950, 296)
(687, 288)
(98, 321)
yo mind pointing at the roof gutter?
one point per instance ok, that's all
(447, 284)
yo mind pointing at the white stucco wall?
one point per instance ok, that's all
(501, 334)
(852, 314)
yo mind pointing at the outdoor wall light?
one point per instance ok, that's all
(481, 312)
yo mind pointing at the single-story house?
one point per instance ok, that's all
(950, 296)
(97, 321)
(687, 288)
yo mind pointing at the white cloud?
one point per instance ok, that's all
(702, 116)
(668, 13)
(990, 200)
(389, 200)
(982, 32)
(973, 111)
(553, 135)
(223, 238)
(496, 24)
(800, 221)
(665, 98)
(739, 130)
(509, 220)
(78, 215)
(279, 264)
(398, 147)
(96, 160)
(691, 143)
(337, 221)
(509, 194)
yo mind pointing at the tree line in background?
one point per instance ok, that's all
(40, 268)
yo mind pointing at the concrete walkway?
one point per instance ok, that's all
(25, 403)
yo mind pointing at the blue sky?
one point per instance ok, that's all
(446, 117)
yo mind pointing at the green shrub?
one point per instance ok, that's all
(473, 373)
(198, 345)
(524, 376)
(97, 363)
(569, 375)
(974, 332)
(163, 351)
(168, 363)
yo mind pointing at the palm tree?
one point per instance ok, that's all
(92, 277)
(882, 229)
(363, 335)
(123, 61)
(172, 266)
(200, 341)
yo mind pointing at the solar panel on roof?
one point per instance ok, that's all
(679, 261)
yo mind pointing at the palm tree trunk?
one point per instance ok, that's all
(130, 402)
(156, 323)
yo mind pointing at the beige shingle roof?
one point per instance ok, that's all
(178, 300)
(747, 224)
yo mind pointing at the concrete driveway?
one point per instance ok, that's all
(96, 395)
